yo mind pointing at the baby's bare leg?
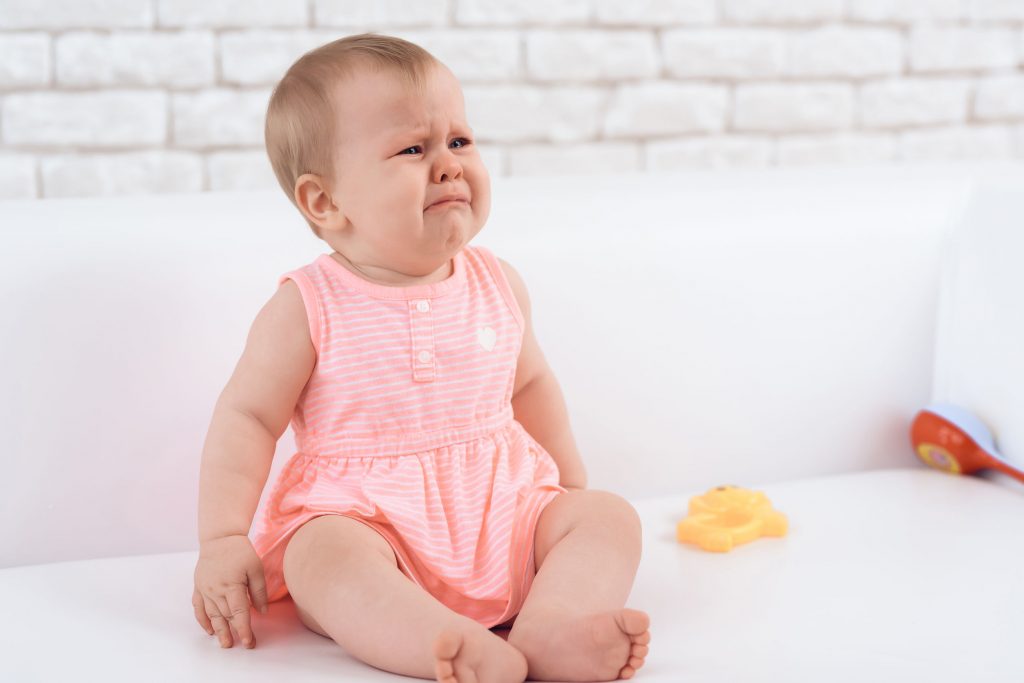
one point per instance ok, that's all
(572, 626)
(344, 578)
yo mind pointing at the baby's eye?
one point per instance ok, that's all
(462, 143)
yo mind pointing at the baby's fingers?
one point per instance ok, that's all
(220, 624)
(258, 589)
(238, 603)
(199, 608)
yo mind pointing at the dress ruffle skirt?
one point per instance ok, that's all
(460, 517)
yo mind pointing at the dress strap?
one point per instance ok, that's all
(498, 276)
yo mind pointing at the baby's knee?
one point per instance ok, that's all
(326, 555)
(608, 507)
(328, 545)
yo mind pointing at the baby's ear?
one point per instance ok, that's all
(314, 200)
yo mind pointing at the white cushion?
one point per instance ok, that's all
(899, 575)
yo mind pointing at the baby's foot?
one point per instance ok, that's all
(596, 647)
(477, 658)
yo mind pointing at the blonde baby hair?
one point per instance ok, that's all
(300, 131)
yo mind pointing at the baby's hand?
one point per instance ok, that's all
(227, 566)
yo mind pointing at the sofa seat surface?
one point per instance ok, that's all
(886, 575)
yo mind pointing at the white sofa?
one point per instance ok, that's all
(774, 329)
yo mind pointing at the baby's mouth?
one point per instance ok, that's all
(451, 203)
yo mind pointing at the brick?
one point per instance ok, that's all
(1000, 97)
(994, 10)
(471, 54)
(115, 118)
(240, 170)
(957, 142)
(655, 12)
(67, 14)
(518, 12)
(380, 13)
(135, 59)
(837, 51)
(588, 55)
(841, 148)
(948, 49)
(913, 102)
(24, 60)
(261, 57)
(518, 113)
(714, 151)
(793, 107)
(119, 174)
(220, 117)
(736, 53)
(775, 12)
(586, 158)
(665, 108)
(18, 176)
(231, 14)
(905, 12)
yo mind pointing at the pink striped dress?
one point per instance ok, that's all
(406, 425)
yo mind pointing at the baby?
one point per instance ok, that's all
(417, 515)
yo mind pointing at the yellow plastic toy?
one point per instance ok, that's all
(729, 515)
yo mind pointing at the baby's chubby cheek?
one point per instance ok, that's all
(481, 210)
(482, 198)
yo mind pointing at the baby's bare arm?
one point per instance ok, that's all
(537, 401)
(252, 413)
(250, 416)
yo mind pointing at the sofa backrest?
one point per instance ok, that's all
(708, 327)
(980, 347)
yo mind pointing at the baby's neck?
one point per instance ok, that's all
(393, 278)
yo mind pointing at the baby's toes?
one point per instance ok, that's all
(629, 670)
(637, 653)
(633, 623)
(636, 660)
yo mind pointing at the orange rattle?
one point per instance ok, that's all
(727, 516)
(953, 440)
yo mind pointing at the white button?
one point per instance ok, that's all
(423, 307)
(424, 356)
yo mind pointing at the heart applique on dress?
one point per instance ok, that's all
(487, 337)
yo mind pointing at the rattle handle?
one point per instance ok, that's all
(1007, 469)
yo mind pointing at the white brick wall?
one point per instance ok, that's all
(131, 96)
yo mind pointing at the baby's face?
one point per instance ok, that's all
(399, 152)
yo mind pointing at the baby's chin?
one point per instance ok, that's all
(457, 231)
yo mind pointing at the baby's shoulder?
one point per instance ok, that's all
(282, 322)
(289, 297)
